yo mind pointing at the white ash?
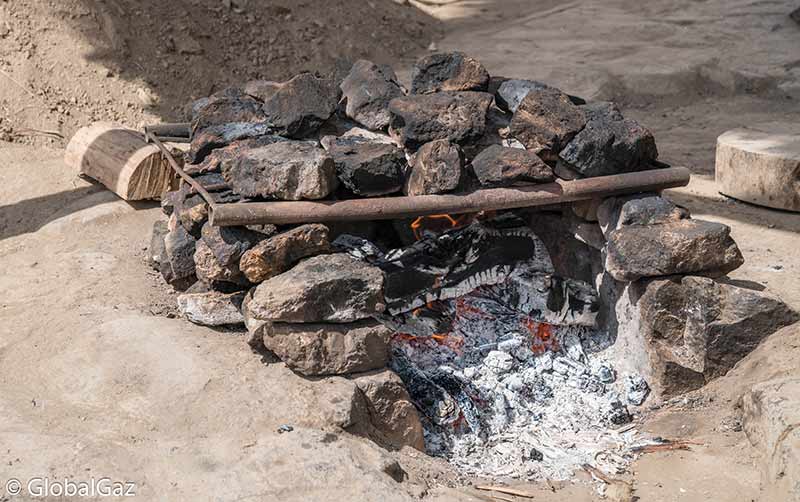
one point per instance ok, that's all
(524, 415)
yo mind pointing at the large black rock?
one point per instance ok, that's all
(367, 90)
(455, 116)
(503, 166)
(545, 121)
(449, 71)
(367, 168)
(609, 144)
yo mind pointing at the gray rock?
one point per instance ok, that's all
(157, 251)
(179, 269)
(326, 288)
(455, 116)
(279, 253)
(204, 141)
(289, 170)
(223, 151)
(210, 269)
(227, 244)
(367, 168)
(367, 90)
(636, 390)
(231, 108)
(609, 144)
(436, 168)
(695, 329)
(545, 121)
(502, 166)
(770, 414)
(638, 209)
(679, 247)
(511, 92)
(391, 411)
(212, 308)
(329, 349)
(297, 107)
(450, 71)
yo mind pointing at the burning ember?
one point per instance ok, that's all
(438, 223)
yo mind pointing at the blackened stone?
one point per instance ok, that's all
(455, 116)
(289, 170)
(451, 71)
(314, 349)
(229, 243)
(212, 308)
(502, 166)
(325, 288)
(204, 141)
(679, 247)
(638, 209)
(545, 121)
(511, 92)
(228, 109)
(436, 168)
(297, 107)
(279, 253)
(225, 152)
(210, 270)
(367, 168)
(367, 89)
(179, 269)
(609, 144)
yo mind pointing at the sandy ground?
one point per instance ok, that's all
(96, 381)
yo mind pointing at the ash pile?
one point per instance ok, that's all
(514, 344)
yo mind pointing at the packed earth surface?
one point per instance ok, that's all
(102, 378)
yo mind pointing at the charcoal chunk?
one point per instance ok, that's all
(366, 167)
(503, 166)
(450, 71)
(546, 121)
(436, 168)
(289, 170)
(455, 116)
(609, 144)
(367, 90)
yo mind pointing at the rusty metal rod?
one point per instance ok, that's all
(559, 192)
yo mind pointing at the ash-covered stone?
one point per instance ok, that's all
(455, 116)
(367, 168)
(436, 168)
(297, 107)
(367, 90)
(502, 166)
(638, 209)
(313, 349)
(450, 71)
(326, 288)
(545, 121)
(636, 390)
(212, 308)
(679, 247)
(280, 252)
(289, 170)
(609, 144)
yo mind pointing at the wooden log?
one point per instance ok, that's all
(120, 159)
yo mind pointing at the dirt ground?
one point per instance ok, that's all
(97, 380)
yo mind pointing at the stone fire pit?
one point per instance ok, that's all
(513, 343)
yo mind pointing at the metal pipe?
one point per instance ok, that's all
(559, 192)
